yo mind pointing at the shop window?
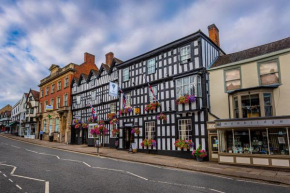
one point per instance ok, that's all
(259, 141)
(251, 106)
(269, 73)
(185, 129)
(151, 96)
(278, 141)
(241, 142)
(44, 125)
(214, 143)
(268, 104)
(233, 79)
(150, 130)
(236, 107)
(126, 74)
(151, 66)
(57, 124)
(190, 85)
(185, 54)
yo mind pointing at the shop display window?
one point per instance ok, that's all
(241, 141)
(278, 141)
(259, 142)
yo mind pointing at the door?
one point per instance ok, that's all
(213, 150)
(128, 137)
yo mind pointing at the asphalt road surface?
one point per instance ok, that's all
(34, 169)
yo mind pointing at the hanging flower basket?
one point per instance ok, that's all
(185, 144)
(186, 99)
(102, 129)
(111, 116)
(135, 130)
(126, 110)
(101, 122)
(92, 120)
(161, 116)
(77, 121)
(115, 132)
(152, 106)
(148, 143)
(114, 121)
(84, 126)
(77, 126)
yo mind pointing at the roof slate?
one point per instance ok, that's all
(252, 52)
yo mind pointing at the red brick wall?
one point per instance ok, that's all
(87, 66)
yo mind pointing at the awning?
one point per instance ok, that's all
(12, 123)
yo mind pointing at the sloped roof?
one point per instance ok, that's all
(35, 94)
(118, 60)
(252, 52)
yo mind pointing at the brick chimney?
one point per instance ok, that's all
(89, 58)
(109, 58)
(213, 33)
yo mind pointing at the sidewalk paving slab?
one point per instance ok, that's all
(265, 174)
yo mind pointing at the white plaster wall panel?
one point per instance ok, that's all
(172, 144)
(175, 69)
(202, 129)
(172, 119)
(163, 144)
(280, 162)
(196, 61)
(227, 159)
(168, 143)
(186, 107)
(158, 131)
(196, 142)
(260, 161)
(195, 43)
(214, 155)
(243, 160)
(172, 105)
(196, 129)
(158, 143)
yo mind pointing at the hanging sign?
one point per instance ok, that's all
(113, 89)
(137, 110)
(49, 108)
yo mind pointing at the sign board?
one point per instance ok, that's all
(134, 145)
(91, 127)
(254, 123)
(137, 110)
(113, 89)
(49, 108)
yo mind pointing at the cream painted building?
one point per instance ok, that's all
(249, 113)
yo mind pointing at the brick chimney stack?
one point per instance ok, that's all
(213, 33)
(109, 58)
(89, 58)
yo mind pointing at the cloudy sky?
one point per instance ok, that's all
(36, 34)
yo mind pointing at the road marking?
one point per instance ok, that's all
(15, 146)
(176, 184)
(87, 164)
(10, 180)
(31, 151)
(219, 176)
(136, 175)
(71, 160)
(216, 190)
(18, 186)
(49, 155)
(4, 175)
(46, 187)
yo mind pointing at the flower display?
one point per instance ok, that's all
(102, 129)
(92, 120)
(126, 110)
(184, 143)
(135, 130)
(148, 143)
(101, 122)
(84, 126)
(186, 99)
(161, 116)
(115, 132)
(114, 121)
(95, 132)
(111, 116)
(199, 152)
(77, 121)
(152, 106)
(77, 126)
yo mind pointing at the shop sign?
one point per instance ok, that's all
(49, 108)
(254, 123)
(137, 110)
(113, 89)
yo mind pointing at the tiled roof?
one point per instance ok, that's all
(35, 94)
(252, 52)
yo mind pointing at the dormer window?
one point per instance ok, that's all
(151, 66)
(185, 54)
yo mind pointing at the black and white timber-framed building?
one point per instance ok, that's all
(94, 89)
(172, 70)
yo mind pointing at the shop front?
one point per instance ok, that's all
(253, 141)
(29, 130)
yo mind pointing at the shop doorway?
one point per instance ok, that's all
(213, 147)
(128, 137)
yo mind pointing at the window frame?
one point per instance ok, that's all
(52, 102)
(65, 100)
(78, 101)
(190, 137)
(188, 54)
(58, 102)
(150, 93)
(46, 90)
(52, 88)
(66, 82)
(123, 74)
(197, 90)
(153, 65)
(56, 129)
(59, 85)
(115, 108)
(152, 132)
(259, 63)
(225, 82)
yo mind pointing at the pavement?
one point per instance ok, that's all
(271, 175)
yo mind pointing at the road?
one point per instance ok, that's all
(29, 168)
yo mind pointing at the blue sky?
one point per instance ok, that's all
(36, 34)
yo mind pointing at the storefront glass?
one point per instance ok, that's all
(259, 142)
(278, 141)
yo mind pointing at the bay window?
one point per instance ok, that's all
(251, 106)
(150, 130)
(190, 85)
(269, 72)
(185, 129)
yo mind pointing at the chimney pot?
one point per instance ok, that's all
(213, 33)
(109, 58)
